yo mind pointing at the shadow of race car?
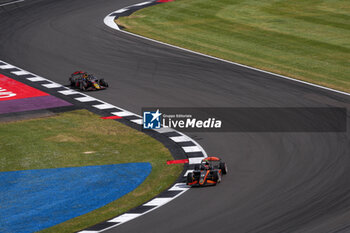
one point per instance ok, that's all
(208, 172)
(86, 82)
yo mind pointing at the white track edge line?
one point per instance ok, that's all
(10, 3)
(109, 21)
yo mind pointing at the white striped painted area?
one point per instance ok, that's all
(86, 99)
(141, 4)
(189, 149)
(123, 113)
(158, 201)
(124, 217)
(68, 92)
(7, 66)
(164, 130)
(103, 106)
(195, 160)
(109, 20)
(121, 10)
(21, 72)
(52, 85)
(37, 79)
(180, 139)
(179, 187)
(87, 231)
(138, 121)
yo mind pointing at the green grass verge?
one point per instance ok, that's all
(304, 39)
(80, 138)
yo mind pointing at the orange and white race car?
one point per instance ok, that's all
(208, 172)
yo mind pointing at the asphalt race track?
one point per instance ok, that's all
(278, 182)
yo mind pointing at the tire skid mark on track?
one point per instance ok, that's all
(109, 110)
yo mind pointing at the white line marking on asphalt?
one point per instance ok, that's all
(21, 72)
(121, 10)
(195, 160)
(158, 201)
(9, 3)
(179, 187)
(37, 79)
(123, 113)
(7, 66)
(87, 231)
(196, 143)
(52, 85)
(140, 4)
(109, 20)
(180, 139)
(86, 99)
(104, 106)
(164, 130)
(124, 217)
(189, 149)
(138, 121)
(69, 92)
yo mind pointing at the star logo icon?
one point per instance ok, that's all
(156, 115)
(151, 119)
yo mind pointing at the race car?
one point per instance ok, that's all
(86, 82)
(208, 172)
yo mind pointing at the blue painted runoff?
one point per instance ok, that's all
(33, 200)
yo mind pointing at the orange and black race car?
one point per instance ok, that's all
(208, 172)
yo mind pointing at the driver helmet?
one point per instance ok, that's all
(205, 164)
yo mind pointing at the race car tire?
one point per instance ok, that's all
(189, 178)
(196, 167)
(223, 168)
(215, 177)
(103, 83)
(83, 86)
(72, 84)
(219, 176)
